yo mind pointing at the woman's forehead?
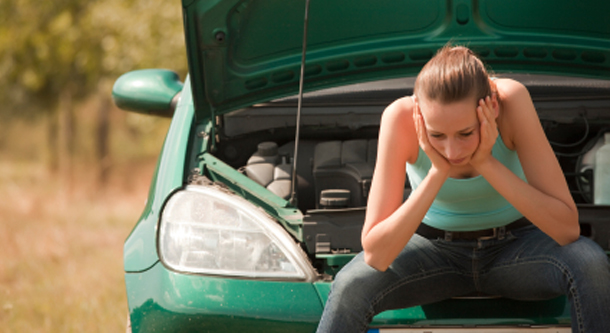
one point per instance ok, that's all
(455, 116)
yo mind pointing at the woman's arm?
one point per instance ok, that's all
(545, 198)
(390, 223)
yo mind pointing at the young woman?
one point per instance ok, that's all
(490, 211)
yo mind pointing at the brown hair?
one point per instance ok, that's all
(452, 75)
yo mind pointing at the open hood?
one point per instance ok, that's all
(243, 52)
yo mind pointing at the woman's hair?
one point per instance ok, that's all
(453, 74)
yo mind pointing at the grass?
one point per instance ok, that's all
(61, 244)
(62, 234)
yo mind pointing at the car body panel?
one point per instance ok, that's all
(140, 250)
(162, 300)
(485, 329)
(472, 311)
(244, 52)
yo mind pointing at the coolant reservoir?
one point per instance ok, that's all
(601, 177)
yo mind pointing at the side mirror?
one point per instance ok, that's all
(148, 91)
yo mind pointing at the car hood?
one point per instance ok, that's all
(243, 52)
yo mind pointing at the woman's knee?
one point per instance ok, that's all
(352, 293)
(585, 252)
(356, 275)
(587, 260)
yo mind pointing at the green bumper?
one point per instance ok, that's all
(473, 312)
(162, 300)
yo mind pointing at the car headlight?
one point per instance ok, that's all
(207, 230)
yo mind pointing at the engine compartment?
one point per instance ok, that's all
(338, 144)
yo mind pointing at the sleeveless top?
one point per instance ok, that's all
(472, 203)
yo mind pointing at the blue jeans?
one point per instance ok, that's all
(525, 265)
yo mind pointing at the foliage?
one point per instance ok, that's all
(64, 234)
(50, 47)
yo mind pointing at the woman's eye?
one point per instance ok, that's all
(467, 134)
(436, 136)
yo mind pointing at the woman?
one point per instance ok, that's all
(490, 211)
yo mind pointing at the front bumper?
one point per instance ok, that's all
(163, 300)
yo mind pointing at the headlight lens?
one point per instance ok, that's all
(206, 230)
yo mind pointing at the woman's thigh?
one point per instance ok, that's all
(422, 273)
(534, 266)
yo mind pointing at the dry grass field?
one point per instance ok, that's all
(61, 247)
(61, 236)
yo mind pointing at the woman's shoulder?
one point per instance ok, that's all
(514, 97)
(517, 109)
(397, 126)
(398, 116)
(399, 112)
(401, 106)
(509, 89)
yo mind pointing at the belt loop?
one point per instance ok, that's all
(448, 236)
(501, 233)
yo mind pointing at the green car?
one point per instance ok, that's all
(235, 238)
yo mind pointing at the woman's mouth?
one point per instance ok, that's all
(457, 161)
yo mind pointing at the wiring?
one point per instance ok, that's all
(574, 144)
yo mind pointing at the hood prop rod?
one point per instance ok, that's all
(293, 195)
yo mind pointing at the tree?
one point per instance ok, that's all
(54, 53)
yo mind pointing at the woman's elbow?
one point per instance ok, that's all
(375, 262)
(571, 234)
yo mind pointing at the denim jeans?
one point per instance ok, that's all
(525, 265)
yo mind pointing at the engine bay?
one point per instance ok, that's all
(338, 145)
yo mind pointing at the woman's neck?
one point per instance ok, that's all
(463, 172)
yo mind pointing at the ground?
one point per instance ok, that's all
(61, 245)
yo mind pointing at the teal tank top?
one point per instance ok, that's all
(472, 203)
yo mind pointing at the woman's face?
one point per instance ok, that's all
(453, 129)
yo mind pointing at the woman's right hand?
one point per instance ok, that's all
(439, 162)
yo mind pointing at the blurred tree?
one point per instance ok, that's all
(54, 53)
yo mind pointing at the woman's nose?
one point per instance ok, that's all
(452, 150)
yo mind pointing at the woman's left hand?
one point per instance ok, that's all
(488, 131)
